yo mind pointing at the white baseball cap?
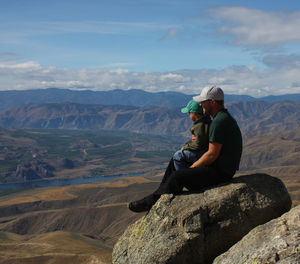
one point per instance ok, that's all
(214, 92)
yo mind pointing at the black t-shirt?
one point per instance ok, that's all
(225, 130)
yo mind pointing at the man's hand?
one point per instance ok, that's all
(193, 137)
(209, 156)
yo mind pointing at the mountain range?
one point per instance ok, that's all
(252, 116)
(117, 97)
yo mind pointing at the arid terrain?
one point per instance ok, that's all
(75, 223)
(81, 223)
(55, 247)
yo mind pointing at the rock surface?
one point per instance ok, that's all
(197, 227)
(277, 241)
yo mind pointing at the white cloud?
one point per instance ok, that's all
(281, 61)
(29, 65)
(234, 80)
(257, 27)
(173, 77)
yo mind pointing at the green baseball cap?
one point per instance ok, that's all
(192, 107)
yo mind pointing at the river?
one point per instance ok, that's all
(61, 182)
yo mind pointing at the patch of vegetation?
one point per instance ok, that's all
(6, 164)
(144, 154)
(114, 149)
(117, 162)
(94, 153)
(98, 172)
(152, 154)
(122, 148)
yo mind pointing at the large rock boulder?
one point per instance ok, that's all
(277, 241)
(197, 227)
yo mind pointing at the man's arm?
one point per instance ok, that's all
(210, 156)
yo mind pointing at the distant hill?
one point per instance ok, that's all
(253, 115)
(116, 97)
(285, 97)
(266, 116)
(149, 120)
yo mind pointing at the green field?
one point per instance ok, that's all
(90, 152)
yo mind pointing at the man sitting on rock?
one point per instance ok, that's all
(217, 165)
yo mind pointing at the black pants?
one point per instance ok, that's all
(194, 179)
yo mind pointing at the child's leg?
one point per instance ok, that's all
(184, 159)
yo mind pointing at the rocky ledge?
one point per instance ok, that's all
(198, 227)
(277, 241)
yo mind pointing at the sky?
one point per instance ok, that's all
(245, 47)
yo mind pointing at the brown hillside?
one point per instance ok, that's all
(55, 247)
(97, 210)
(277, 154)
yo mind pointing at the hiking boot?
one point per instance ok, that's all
(142, 205)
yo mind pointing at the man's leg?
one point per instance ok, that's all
(169, 170)
(146, 203)
(194, 179)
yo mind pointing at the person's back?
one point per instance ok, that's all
(225, 130)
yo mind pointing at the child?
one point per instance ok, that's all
(194, 148)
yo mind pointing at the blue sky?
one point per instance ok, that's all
(245, 47)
